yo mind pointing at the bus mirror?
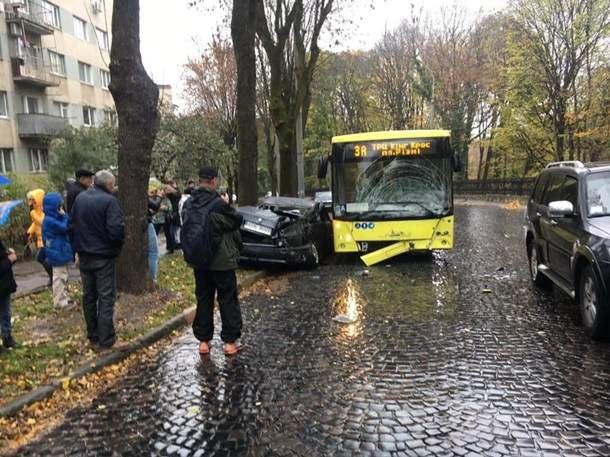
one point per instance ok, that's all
(322, 167)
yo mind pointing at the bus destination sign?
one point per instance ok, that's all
(371, 150)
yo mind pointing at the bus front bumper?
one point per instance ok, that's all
(379, 241)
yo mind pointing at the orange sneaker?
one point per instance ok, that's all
(204, 347)
(231, 348)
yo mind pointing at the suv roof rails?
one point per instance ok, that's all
(566, 163)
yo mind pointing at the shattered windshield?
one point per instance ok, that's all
(393, 180)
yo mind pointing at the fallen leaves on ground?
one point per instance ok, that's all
(19, 430)
(514, 204)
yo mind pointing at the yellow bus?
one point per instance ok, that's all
(392, 192)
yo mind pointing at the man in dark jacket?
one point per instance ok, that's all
(7, 287)
(218, 275)
(84, 179)
(98, 232)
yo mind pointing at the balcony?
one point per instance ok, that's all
(33, 71)
(40, 125)
(30, 15)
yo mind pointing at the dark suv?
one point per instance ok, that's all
(568, 237)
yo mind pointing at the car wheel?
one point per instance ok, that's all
(593, 314)
(314, 259)
(538, 279)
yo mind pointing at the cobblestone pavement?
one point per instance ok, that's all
(449, 355)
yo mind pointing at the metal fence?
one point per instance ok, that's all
(520, 186)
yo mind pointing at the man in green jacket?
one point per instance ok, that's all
(217, 277)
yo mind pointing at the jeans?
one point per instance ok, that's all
(5, 315)
(153, 252)
(207, 284)
(41, 258)
(173, 234)
(98, 276)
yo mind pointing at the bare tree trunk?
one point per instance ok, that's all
(488, 161)
(481, 155)
(243, 31)
(136, 98)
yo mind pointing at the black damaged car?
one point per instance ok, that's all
(283, 231)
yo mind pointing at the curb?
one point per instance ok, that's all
(181, 320)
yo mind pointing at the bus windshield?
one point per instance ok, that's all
(399, 179)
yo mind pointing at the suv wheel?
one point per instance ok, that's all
(538, 279)
(593, 315)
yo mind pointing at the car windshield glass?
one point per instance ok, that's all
(598, 194)
(392, 185)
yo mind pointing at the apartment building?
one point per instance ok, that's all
(54, 58)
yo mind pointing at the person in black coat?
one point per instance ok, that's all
(98, 232)
(84, 180)
(7, 287)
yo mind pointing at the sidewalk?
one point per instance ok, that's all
(53, 342)
(31, 277)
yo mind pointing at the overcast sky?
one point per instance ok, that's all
(173, 32)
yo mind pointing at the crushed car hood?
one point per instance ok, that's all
(259, 216)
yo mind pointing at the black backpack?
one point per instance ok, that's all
(196, 233)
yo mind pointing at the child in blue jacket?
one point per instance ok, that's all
(58, 249)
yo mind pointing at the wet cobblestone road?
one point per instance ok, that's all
(452, 355)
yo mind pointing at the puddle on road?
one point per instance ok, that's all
(414, 288)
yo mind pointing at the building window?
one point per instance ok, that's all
(51, 14)
(105, 78)
(6, 161)
(61, 109)
(102, 39)
(88, 116)
(31, 105)
(80, 29)
(58, 63)
(110, 117)
(84, 72)
(3, 104)
(39, 159)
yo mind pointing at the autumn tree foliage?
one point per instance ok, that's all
(210, 90)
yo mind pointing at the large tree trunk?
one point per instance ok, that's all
(136, 98)
(288, 168)
(243, 30)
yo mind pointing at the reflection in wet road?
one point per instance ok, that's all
(443, 355)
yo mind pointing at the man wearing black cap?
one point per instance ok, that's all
(84, 180)
(211, 243)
